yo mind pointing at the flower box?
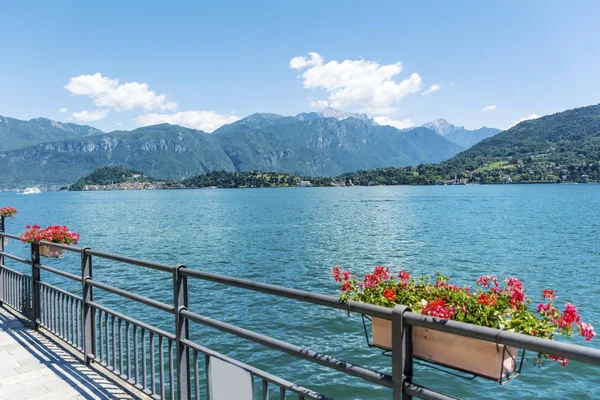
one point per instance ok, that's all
(8, 212)
(494, 303)
(478, 357)
(54, 234)
(50, 252)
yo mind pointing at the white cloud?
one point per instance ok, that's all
(532, 116)
(433, 88)
(88, 116)
(118, 123)
(318, 103)
(207, 121)
(362, 84)
(107, 92)
(302, 62)
(63, 110)
(400, 124)
(489, 108)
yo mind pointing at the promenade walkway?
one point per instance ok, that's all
(34, 366)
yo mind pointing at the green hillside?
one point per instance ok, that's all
(557, 147)
(16, 134)
(250, 179)
(563, 147)
(109, 176)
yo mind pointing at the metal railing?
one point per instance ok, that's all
(168, 365)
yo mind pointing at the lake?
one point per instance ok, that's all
(546, 235)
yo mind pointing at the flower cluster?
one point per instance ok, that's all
(8, 212)
(438, 308)
(566, 320)
(493, 303)
(54, 233)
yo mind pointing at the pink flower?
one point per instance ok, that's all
(486, 280)
(514, 284)
(563, 361)
(586, 330)
(337, 273)
(454, 287)
(549, 294)
(380, 274)
(543, 308)
(438, 309)
(568, 317)
(403, 275)
(516, 297)
(515, 290)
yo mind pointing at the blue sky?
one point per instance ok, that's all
(119, 65)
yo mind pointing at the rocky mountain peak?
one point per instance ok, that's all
(331, 112)
(440, 126)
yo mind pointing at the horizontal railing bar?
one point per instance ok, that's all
(131, 296)
(15, 272)
(130, 260)
(52, 287)
(424, 393)
(574, 352)
(133, 321)
(255, 371)
(301, 352)
(59, 272)
(301, 295)
(66, 247)
(8, 235)
(13, 257)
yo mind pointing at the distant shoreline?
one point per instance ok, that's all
(20, 190)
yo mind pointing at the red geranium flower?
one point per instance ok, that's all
(389, 294)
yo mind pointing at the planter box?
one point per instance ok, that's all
(50, 252)
(470, 355)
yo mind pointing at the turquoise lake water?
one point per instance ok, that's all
(546, 235)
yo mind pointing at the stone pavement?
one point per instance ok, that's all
(34, 367)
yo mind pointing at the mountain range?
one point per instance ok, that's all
(325, 143)
(564, 146)
(458, 134)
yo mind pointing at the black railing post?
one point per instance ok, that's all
(88, 322)
(35, 285)
(182, 331)
(402, 354)
(2, 261)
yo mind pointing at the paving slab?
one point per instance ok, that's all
(34, 367)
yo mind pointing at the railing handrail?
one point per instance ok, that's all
(297, 351)
(8, 235)
(290, 293)
(402, 321)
